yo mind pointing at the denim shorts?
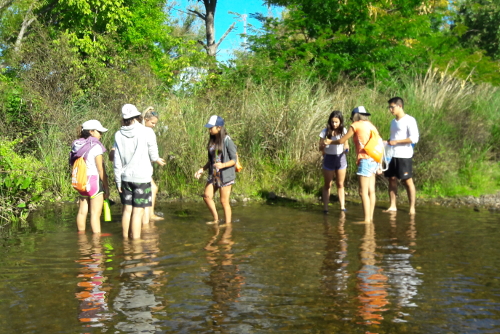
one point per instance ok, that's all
(367, 167)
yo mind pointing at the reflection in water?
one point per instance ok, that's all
(403, 278)
(225, 278)
(136, 300)
(334, 269)
(93, 305)
(371, 281)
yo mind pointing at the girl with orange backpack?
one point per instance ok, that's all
(89, 149)
(362, 130)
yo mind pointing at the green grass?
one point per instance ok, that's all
(276, 128)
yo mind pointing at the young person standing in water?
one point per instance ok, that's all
(367, 167)
(91, 149)
(404, 134)
(221, 172)
(135, 149)
(149, 120)
(334, 158)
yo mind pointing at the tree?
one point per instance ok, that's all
(209, 18)
(476, 22)
(357, 37)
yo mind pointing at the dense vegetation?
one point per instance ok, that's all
(64, 62)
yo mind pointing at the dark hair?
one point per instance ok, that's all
(330, 131)
(217, 140)
(397, 100)
(84, 133)
(129, 121)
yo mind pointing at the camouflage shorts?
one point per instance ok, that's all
(136, 194)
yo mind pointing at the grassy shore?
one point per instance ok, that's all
(276, 128)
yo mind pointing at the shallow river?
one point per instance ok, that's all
(277, 269)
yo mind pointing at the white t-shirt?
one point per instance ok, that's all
(405, 128)
(333, 149)
(90, 160)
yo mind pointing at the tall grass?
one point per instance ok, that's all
(276, 127)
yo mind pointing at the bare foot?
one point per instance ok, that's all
(155, 217)
(412, 212)
(390, 210)
(213, 222)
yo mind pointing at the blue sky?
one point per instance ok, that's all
(223, 20)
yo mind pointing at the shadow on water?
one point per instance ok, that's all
(277, 269)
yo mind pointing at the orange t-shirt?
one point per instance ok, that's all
(362, 131)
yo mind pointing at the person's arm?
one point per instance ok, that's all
(231, 150)
(346, 144)
(201, 170)
(153, 148)
(101, 170)
(321, 146)
(342, 140)
(413, 135)
(117, 167)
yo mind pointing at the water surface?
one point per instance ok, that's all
(278, 269)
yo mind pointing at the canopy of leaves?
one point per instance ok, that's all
(477, 23)
(357, 37)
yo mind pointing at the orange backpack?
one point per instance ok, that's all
(79, 175)
(375, 146)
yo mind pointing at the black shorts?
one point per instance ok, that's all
(136, 194)
(401, 168)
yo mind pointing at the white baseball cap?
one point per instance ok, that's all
(93, 124)
(129, 111)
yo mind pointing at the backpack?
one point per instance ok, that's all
(79, 175)
(375, 146)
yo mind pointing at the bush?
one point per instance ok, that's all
(22, 181)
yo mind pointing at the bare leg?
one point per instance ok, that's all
(364, 188)
(340, 177)
(410, 191)
(126, 215)
(209, 200)
(147, 215)
(154, 192)
(96, 204)
(373, 197)
(81, 217)
(224, 200)
(328, 177)
(393, 193)
(136, 222)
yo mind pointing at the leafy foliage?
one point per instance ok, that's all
(21, 181)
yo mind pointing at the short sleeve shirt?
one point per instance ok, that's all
(333, 149)
(90, 160)
(405, 128)
(362, 131)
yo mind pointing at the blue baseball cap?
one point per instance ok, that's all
(215, 121)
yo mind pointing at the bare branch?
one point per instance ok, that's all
(203, 44)
(197, 13)
(29, 18)
(5, 3)
(226, 33)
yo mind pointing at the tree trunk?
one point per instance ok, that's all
(210, 28)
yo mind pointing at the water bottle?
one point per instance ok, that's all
(107, 211)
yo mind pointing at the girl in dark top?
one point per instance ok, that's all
(221, 172)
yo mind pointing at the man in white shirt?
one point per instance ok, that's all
(404, 135)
